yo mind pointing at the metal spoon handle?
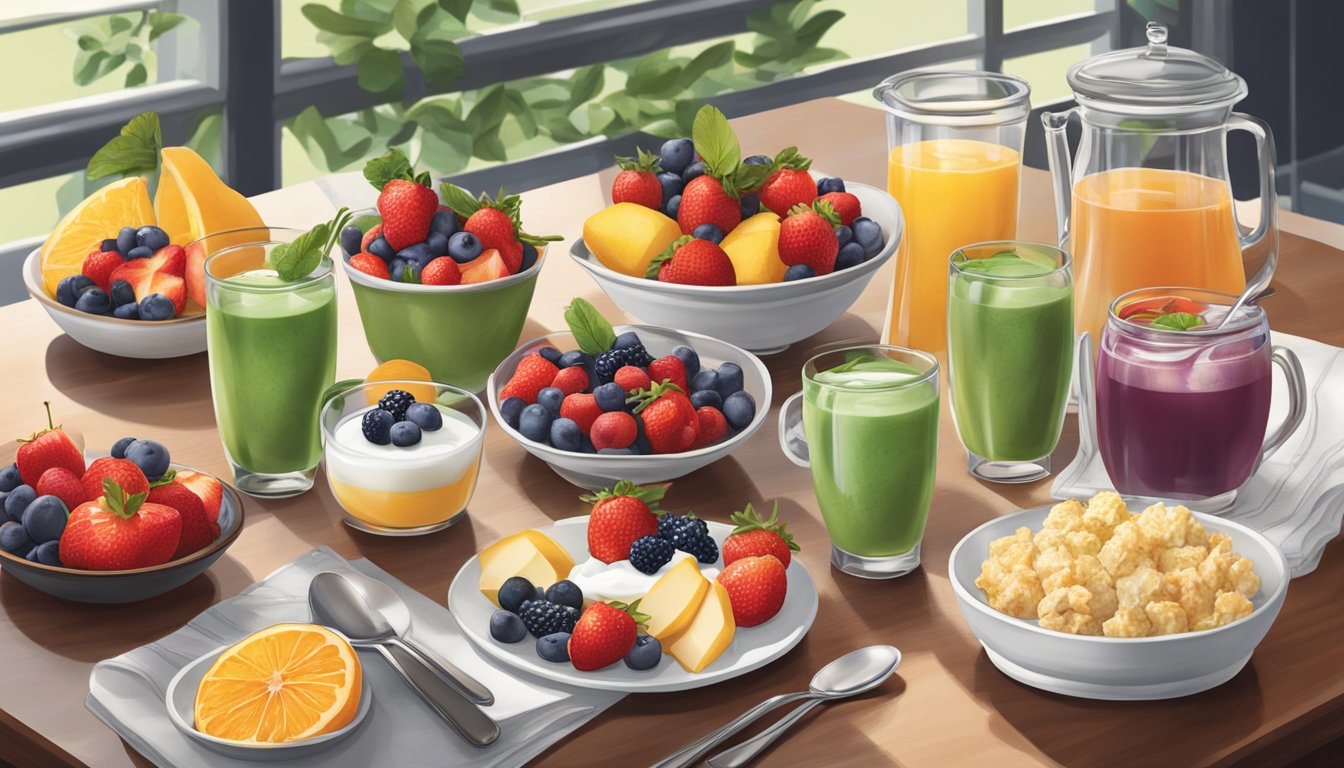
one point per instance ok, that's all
(465, 717)
(751, 748)
(688, 755)
(465, 684)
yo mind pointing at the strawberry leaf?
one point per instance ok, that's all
(749, 520)
(457, 198)
(167, 478)
(591, 330)
(748, 178)
(788, 157)
(649, 494)
(132, 152)
(118, 502)
(645, 161)
(391, 166)
(715, 141)
(646, 397)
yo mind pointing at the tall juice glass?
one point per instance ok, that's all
(272, 351)
(870, 434)
(1010, 336)
(954, 157)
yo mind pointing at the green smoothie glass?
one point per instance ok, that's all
(868, 429)
(1010, 355)
(272, 348)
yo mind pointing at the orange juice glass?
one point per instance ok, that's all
(954, 158)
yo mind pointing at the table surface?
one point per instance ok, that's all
(947, 704)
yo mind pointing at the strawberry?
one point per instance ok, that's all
(713, 426)
(371, 265)
(632, 378)
(638, 181)
(98, 267)
(51, 447)
(494, 228)
(161, 273)
(534, 373)
(754, 537)
(119, 532)
(198, 530)
(669, 368)
(206, 488)
(406, 206)
(670, 421)
(807, 236)
(440, 271)
(496, 223)
(705, 201)
(789, 183)
(512, 253)
(484, 268)
(571, 380)
(846, 206)
(374, 232)
(64, 485)
(756, 588)
(616, 429)
(583, 409)
(604, 634)
(621, 515)
(692, 261)
(124, 471)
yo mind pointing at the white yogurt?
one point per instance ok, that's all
(621, 580)
(439, 458)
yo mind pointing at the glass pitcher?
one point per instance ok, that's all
(1147, 200)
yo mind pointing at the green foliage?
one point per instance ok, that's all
(111, 42)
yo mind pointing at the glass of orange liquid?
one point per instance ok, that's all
(954, 158)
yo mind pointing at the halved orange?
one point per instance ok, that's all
(395, 369)
(285, 683)
(123, 203)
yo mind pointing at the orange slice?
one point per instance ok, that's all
(192, 201)
(123, 203)
(285, 683)
(395, 369)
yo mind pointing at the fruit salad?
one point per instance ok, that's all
(611, 397)
(416, 239)
(710, 218)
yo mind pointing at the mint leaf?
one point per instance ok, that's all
(1178, 321)
(591, 330)
(715, 141)
(132, 152)
(457, 198)
(391, 166)
(297, 259)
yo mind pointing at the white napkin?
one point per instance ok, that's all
(1296, 498)
(127, 692)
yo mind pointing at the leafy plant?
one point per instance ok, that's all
(111, 42)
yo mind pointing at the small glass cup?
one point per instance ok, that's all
(868, 429)
(1010, 355)
(403, 491)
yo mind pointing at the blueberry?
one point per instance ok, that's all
(617, 452)
(382, 249)
(119, 448)
(707, 397)
(554, 648)
(574, 357)
(739, 409)
(565, 592)
(121, 293)
(830, 184)
(506, 627)
(529, 256)
(403, 271)
(127, 311)
(671, 206)
(9, 478)
(645, 654)
(405, 434)
(610, 396)
(47, 553)
(758, 160)
(539, 594)
(377, 426)
(586, 445)
(535, 423)
(109, 244)
(139, 252)
(849, 256)
(708, 232)
(418, 254)
(14, 539)
(45, 519)
(18, 500)
(799, 272)
(438, 244)
(641, 446)
(551, 398)
(689, 358)
(94, 301)
(464, 247)
(126, 240)
(671, 183)
(751, 205)
(444, 222)
(730, 379)
(150, 456)
(692, 171)
(550, 354)
(627, 340)
(151, 237)
(514, 591)
(868, 234)
(351, 238)
(425, 416)
(566, 435)
(511, 409)
(156, 306)
(707, 378)
(70, 288)
(843, 235)
(676, 154)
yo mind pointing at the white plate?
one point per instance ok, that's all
(752, 647)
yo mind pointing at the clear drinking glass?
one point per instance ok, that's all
(954, 157)
(1010, 355)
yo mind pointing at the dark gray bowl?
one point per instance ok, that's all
(140, 583)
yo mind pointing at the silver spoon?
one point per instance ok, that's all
(336, 603)
(1256, 287)
(854, 673)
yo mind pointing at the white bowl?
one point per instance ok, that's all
(589, 470)
(762, 318)
(125, 338)
(1113, 668)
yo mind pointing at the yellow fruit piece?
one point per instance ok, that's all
(192, 201)
(528, 554)
(285, 683)
(753, 247)
(708, 635)
(395, 369)
(100, 216)
(626, 236)
(672, 601)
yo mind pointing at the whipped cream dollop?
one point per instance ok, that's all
(621, 580)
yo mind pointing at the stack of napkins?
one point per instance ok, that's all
(1296, 498)
(127, 692)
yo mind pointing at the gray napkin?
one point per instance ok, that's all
(127, 692)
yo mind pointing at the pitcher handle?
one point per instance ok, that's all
(1061, 167)
(1297, 400)
(1087, 395)
(792, 441)
(1269, 211)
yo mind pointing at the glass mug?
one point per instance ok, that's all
(868, 429)
(1183, 414)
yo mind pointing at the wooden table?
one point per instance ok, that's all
(946, 705)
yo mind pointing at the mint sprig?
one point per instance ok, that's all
(133, 152)
(118, 503)
(1178, 321)
(297, 259)
(591, 330)
(715, 141)
(393, 166)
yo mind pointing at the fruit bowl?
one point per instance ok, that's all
(124, 338)
(588, 470)
(762, 318)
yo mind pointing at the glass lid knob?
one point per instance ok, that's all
(1157, 39)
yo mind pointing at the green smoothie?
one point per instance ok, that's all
(872, 435)
(1010, 347)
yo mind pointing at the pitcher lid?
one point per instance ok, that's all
(1156, 76)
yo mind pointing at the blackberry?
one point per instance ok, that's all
(650, 553)
(542, 618)
(706, 551)
(396, 402)
(668, 524)
(377, 426)
(628, 350)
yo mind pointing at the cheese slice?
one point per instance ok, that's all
(551, 549)
(708, 634)
(516, 555)
(672, 601)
